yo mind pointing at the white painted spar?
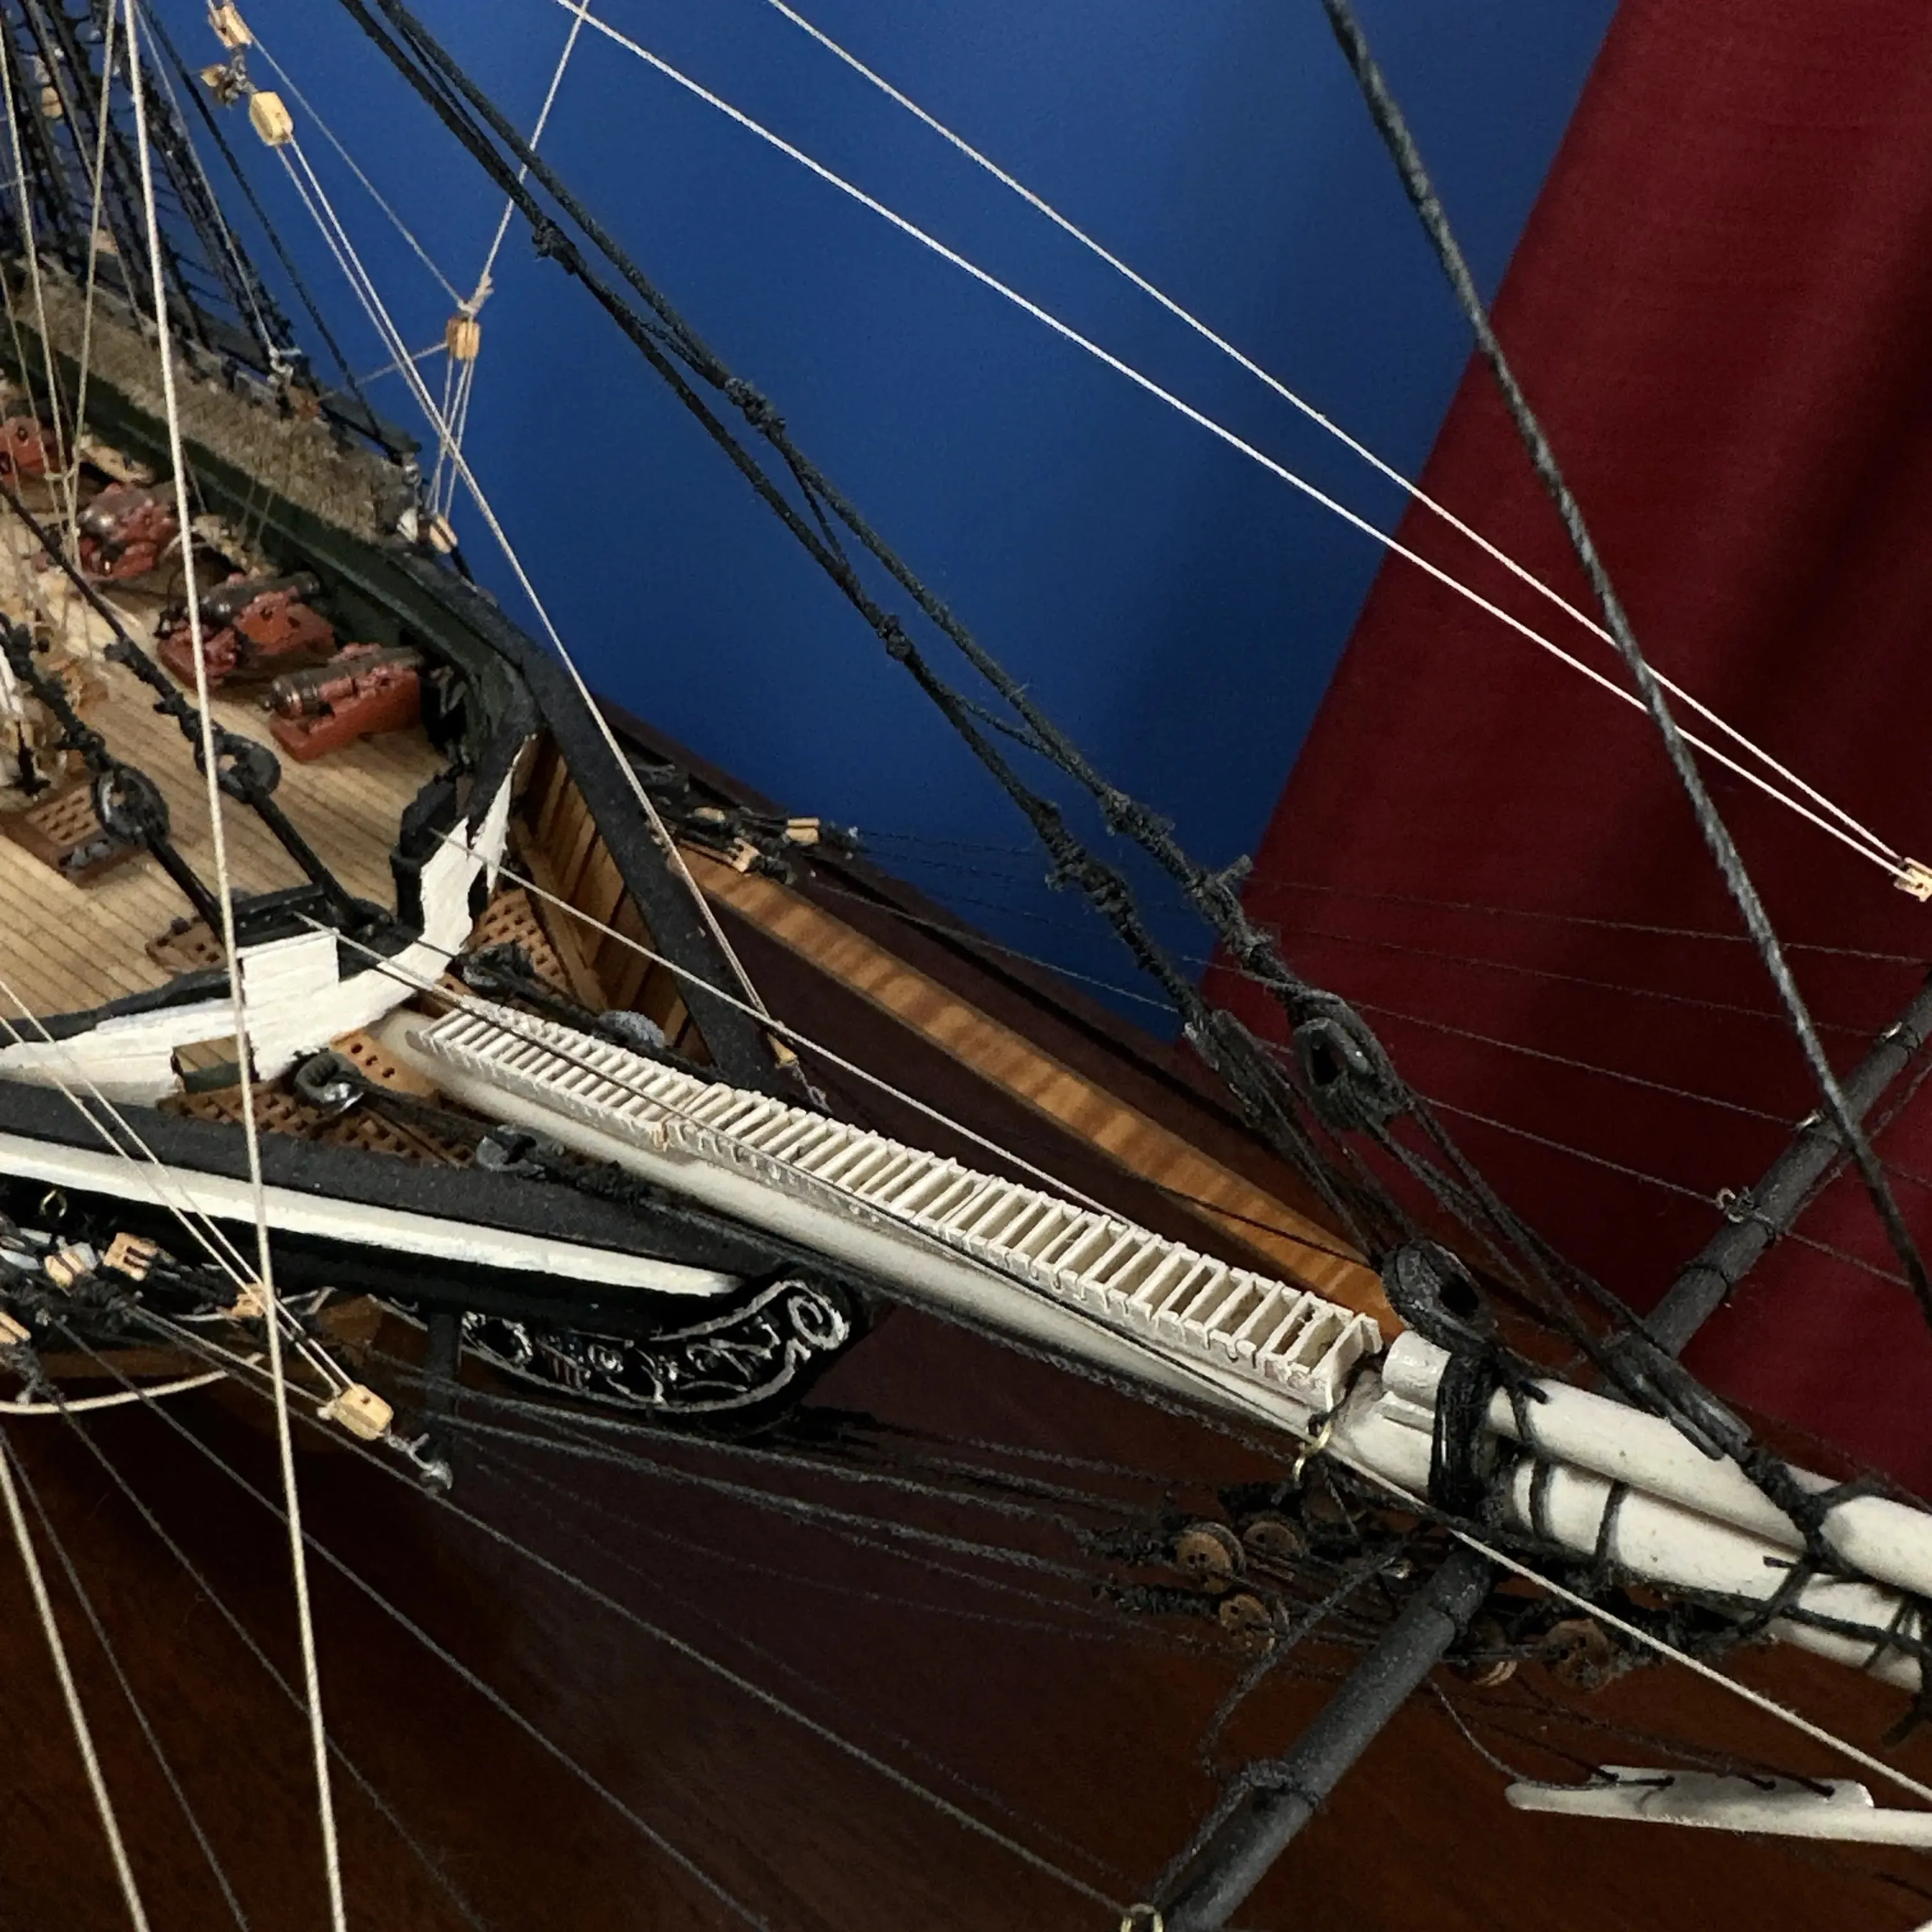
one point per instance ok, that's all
(298, 998)
(1649, 1537)
(1888, 1540)
(354, 1223)
(998, 1251)
(1834, 1807)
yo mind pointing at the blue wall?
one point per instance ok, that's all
(1178, 610)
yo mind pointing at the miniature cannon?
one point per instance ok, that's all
(363, 689)
(251, 627)
(23, 448)
(126, 531)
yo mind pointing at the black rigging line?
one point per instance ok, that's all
(1269, 1102)
(123, 794)
(250, 301)
(247, 770)
(163, 1763)
(1272, 1104)
(69, 69)
(268, 227)
(654, 1580)
(902, 1541)
(120, 199)
(430, 1863)
(1570, 979)
(492, 1697)
(1368, 941)
(691, 1652)
(1047, 1502)
(1370, 1215)
(837, 1521)
(1393, 130)
(1575, 1065)
(1270, 887)
(858, 1593)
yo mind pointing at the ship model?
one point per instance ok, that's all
(379, 1058)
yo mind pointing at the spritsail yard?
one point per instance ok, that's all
(372, 1039)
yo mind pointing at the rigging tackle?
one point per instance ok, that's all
(1358, 1084)
(247, 769)
(1330, 1049)
(128, 806)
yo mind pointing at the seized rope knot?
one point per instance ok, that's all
(755, 406)
(893, 634)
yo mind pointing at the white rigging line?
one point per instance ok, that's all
(454, 371)
(244, 279)
(456, 409)
(24, 201)
(1638, 1634)
(455, 376)
(1867, 844)
(794, 1037)
(393, 366)
(1414, 490)
(375, 194)
(130, 1892)
(323, 214)
(157, 1181)
(345, 256)
(101, 124)
(512, 1025)
(220, 1249)
(311, 1673)
(466, 373)
(578, 11)
(508, 1023)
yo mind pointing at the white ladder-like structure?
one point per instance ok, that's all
(1603, 1479)
(1171, 1299)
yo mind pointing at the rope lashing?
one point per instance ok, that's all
(1437, 1298)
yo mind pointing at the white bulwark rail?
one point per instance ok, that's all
(1291, 1341)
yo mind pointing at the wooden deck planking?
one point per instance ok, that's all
(64, 946)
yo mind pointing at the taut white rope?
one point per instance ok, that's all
(878, 1082)
(297, 1552)
(578, 12)
(1414, 490)
(466, 379)
(1638, 1634)
(401, 227)
(394, 367)
(794, 1037)
(1866, 844)
(83, 1736)
(221, 1250)
(24, 201)
(317, 202)
(244, 279)
(154, 1176)
(93, 279)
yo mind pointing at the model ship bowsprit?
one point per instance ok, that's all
(356, 970)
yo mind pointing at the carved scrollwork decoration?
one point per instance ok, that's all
(745, 1358)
